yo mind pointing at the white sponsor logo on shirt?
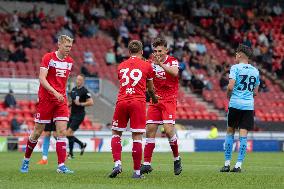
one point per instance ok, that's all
(60, 65)
(60, 73)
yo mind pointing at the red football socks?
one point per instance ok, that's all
(30, 147)
(116, 148)
(174, 146)
(137, 154)
(148, 150)
(61, 150)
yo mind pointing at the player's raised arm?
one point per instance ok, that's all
(160, 55)
(42, 79)
(170, 69)
(150, 89)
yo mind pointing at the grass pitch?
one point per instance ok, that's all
(200, 170)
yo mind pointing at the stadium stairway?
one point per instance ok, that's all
(101, 112)
(209, 106)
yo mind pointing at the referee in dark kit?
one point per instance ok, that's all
(80, 99)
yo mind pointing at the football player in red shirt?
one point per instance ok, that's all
(135, 75)
(163, 113)
(52, 102)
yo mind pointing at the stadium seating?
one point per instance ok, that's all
(25, 112)
(187, 108)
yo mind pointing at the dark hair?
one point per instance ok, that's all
(135, 46)
(159, 41)
(245, 50)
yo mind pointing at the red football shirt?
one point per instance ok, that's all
(133, 75)
(166, 86)
(57, 76)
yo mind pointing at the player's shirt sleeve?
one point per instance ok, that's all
(233, 73)
(87, 94)
(151, 72)
(45, 62)
(257, 79)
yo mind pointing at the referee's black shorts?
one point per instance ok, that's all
(240, 119)
(50, 127)
(75, 120)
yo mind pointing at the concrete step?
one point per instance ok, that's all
(210, 106)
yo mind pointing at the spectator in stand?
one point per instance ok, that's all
(214, 5)
(67, 29)
(147, 47)
(27, 40)
(224, 81)
(121, 52)
(15, 126)
(24, 127)
(14, 23)
(10, 101)
(110, 57)
(262, 86)
(86, 72)
(4, 53)
(92, 28)
(50, 16)
(186, 78)
(4, 25)
(124, 34)
(97, 11)
(41, 14)
(197, 84)
(89, 57)
(262, 39)
(246, 41)
(17, 38)
(153, 33)
(277, 10)
(18, 55)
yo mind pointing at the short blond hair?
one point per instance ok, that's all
(63, 38)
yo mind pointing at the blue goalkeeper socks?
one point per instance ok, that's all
(45, 146)
(229, 141)
(242, 151)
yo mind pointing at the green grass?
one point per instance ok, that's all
(200, 170)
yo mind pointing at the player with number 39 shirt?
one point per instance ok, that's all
(135, 75)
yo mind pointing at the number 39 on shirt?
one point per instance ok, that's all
(133, 76)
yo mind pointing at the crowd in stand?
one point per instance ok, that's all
(145, 21)
(16, 24)
(239, 25)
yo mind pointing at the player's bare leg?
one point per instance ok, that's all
(61, 146)
(116, 153)
(171, 134)
(137, 153)
(45, 147)
(151, 131)
(32, 141)
(229, 141)
(242, 150)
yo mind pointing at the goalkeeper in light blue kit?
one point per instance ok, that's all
(242, 87)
